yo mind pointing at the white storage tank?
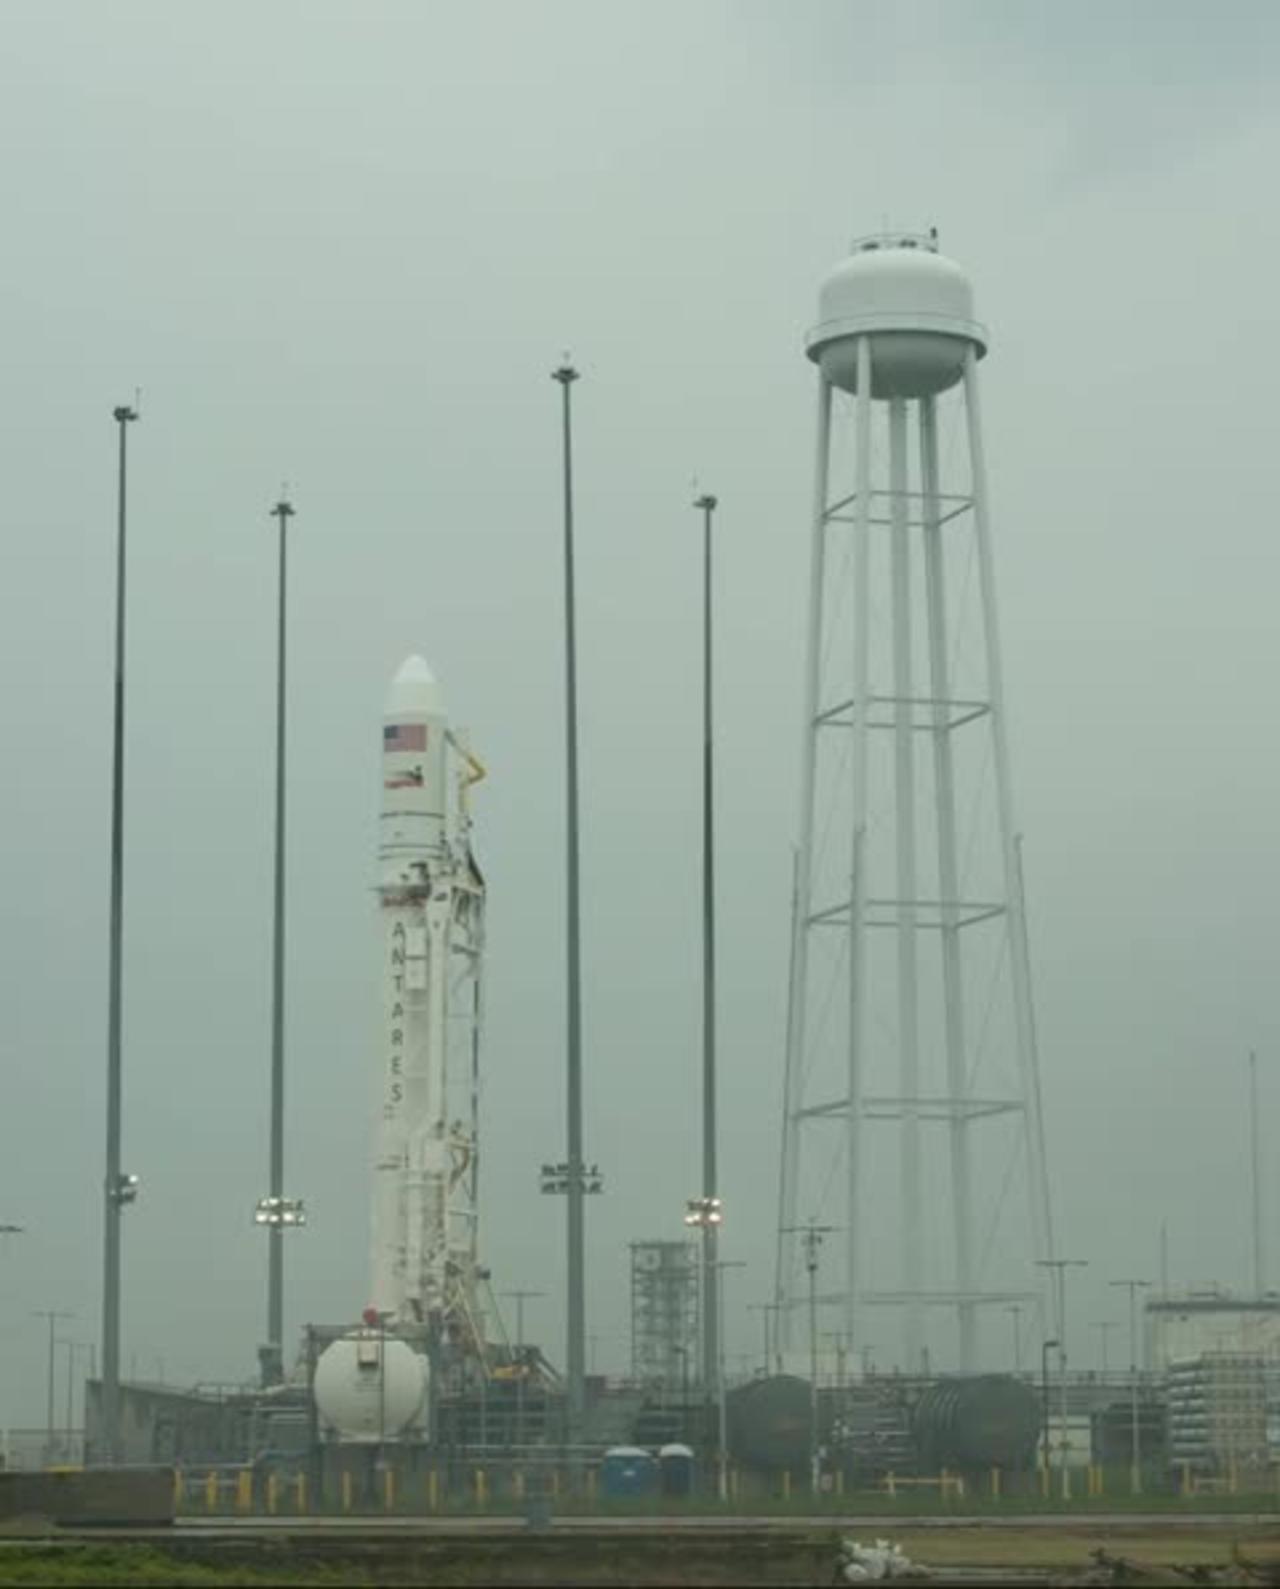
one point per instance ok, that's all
(914, 304)
(370, 1386)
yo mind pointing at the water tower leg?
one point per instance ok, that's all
(794, 1082)
(948, 881)
(858, 874)
(907, 886)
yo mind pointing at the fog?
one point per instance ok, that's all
(343, 246)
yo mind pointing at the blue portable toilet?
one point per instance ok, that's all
(627, 1471)
(675, 1467)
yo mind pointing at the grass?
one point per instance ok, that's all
(142, 1564)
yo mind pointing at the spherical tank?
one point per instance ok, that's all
(914, 304)
(369, 1387)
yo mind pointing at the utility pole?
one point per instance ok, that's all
(1058, 1268)
(811, 1240)
(1135, 1436)
(576, 1319)
(1045, 1348)
(51, 1315)
(118, 1189)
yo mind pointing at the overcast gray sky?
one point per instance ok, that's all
(342, 245)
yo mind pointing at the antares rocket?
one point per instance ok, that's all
(431, 905)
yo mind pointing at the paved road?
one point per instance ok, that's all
(1089, 1522)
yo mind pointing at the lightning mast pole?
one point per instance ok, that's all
(576, 1320)
(114, 1185)
(272, 1354)
(711, 1355)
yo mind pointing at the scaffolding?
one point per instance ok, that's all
(664, 1313)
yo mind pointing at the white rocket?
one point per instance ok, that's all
(432, 916)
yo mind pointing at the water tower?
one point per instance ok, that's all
(912, 1102)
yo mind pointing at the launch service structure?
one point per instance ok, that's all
(912, 1098)
(426, 1276)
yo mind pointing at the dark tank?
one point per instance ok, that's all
(769, 1423)
(976, 1423)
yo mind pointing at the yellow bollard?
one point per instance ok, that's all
(273, 1489)
(244, 1490)
(179, 1490)
(786, 1484)
(995, 1484)
(481, 1487)
(389, 1489)
(518, 1482)
(211, 1491)
(433, 1491)
(300, 1492)
(346, 1491)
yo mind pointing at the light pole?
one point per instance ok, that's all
(1135, 1434)
(706, 505)
(722, 1420)
(1058, 1269)
(811, 1238)
(576, 1321)
(271, 1354)
(520, 1298)
(1045, 1348)
(51, 1315)
(114, 1183)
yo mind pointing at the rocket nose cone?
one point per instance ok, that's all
(415, 690)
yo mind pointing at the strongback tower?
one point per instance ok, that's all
(910, 999)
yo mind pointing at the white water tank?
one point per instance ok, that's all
(370, 1386)
(914, 304)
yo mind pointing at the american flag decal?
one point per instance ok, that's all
(404, 736)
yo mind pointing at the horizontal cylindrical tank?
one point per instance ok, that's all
(369, 1386)
(770, 1423)
(912, 303)
(976, 1423)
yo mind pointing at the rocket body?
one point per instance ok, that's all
(431, 904)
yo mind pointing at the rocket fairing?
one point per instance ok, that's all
(431, 905)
